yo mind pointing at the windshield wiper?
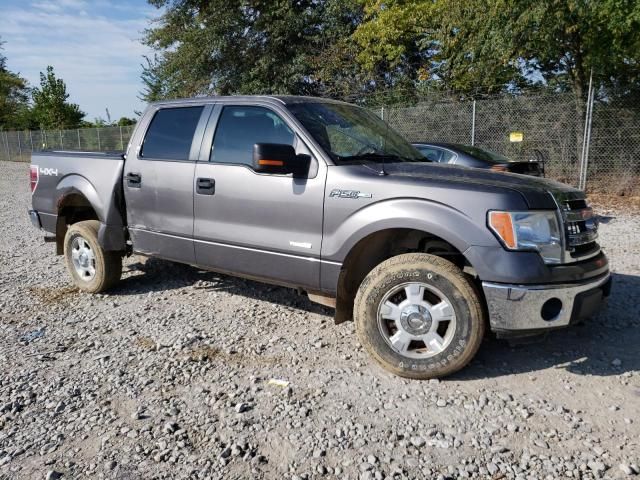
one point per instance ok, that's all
(365, 159)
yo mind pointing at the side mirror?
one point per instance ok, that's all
(279, 159)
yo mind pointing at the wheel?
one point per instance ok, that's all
(419, 316)
(92, 269)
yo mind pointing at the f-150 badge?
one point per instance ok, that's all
(349, 194)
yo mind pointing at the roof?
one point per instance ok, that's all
(283, 99)
(439, 144)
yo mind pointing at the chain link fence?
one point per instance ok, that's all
(17, 146)
(549, 127)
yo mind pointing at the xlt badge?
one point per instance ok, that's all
(336, 192)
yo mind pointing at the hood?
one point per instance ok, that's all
(539, 193)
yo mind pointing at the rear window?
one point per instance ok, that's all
(170, 134)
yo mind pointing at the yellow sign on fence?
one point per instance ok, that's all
(516, 136)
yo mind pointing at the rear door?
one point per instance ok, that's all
(267, 226)
(158, 182)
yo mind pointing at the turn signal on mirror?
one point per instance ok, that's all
(273, 163)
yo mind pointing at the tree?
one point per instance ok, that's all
(504, 45)
(153, 78)
(50, 106)
(126, 121)
(566, 40)
(244, 46)
(395, 36)
(14, 98)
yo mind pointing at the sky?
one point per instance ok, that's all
(93, 45)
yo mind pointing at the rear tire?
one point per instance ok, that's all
(419, 316)
(92, 269)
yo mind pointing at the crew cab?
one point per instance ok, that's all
(324, 197)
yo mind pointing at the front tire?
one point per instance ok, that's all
(419, 316)
(92, 269)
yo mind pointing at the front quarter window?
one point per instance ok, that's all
(240, 127)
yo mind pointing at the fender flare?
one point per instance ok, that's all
(79, 185)
(407, 213)
(111, 235)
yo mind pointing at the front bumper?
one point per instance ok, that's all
(520, 310)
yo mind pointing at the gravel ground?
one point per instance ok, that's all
(169, 377)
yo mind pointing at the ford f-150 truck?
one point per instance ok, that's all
(324, 197)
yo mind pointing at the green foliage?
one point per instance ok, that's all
(125, 121)
(395, 34)
(14, 98)
(50, 106)
(360, 50)
(504, 45)
(248, 47)
(565, 40)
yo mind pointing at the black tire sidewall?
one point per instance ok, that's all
(451, 357)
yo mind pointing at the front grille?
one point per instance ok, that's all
(580, 228)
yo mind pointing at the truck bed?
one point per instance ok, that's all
(61, 174)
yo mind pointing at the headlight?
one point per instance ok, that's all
(537, 231)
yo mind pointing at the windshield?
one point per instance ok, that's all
(485, 155)
(351, 134)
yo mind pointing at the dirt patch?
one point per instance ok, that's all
(146, 343)
(620, 203)
(202, 353)
(49, 296)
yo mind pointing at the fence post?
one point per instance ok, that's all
(586, 154)
(43, 137)
(61, 144)
(98, 132)
(31, 140)
(121, 142)
(79, 147)
(19, 145)
(6, 144)
(586, 139)
(473, 124)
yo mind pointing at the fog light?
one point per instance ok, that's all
(551, 309)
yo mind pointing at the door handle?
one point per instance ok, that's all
(205, 186)
(134, 180)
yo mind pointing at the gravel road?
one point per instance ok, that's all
(169, 376)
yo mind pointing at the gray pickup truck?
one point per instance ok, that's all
(324, 197)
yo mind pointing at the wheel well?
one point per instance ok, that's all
(72, 208)
(378, 247)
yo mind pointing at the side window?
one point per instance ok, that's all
(448, 156)
(437, 154)
(170, 134)
(431, 153)
(239, 128)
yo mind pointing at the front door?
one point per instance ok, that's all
(158, 183)
(266, 226)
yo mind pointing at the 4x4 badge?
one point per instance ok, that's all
(349, 194)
